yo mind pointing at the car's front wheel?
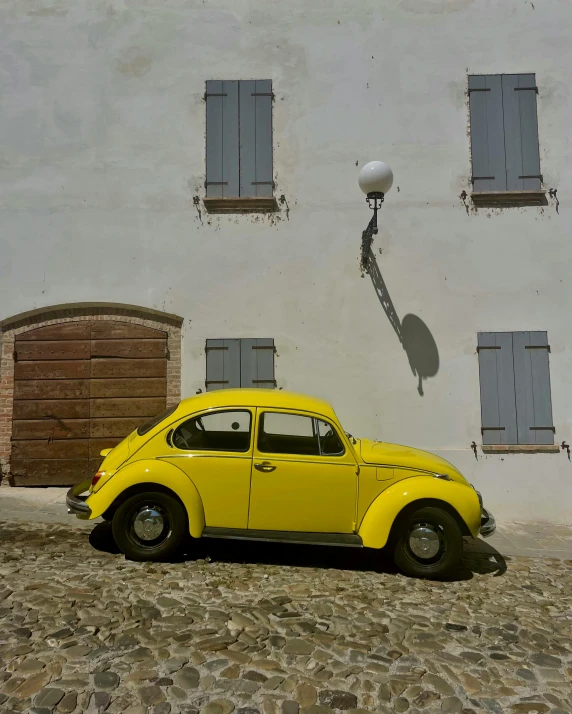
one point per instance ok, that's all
(149, 526)
(429, 543)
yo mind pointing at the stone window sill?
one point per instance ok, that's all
(520, 448)
(506, 199)
(239, 204)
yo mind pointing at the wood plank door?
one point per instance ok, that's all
(80, 387)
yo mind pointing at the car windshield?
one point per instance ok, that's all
(152, 423)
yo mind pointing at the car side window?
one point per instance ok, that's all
(296, 434)
(330, 442)
(287, 434)
(219, 431)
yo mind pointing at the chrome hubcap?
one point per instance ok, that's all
(424, 541)
(148, 524)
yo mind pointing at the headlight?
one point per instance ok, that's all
(444, 477)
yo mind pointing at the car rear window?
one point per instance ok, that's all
(152, 423)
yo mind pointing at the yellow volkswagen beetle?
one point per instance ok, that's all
(276, 466)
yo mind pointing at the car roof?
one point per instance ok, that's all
(276, 398)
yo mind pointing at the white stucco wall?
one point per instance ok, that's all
(103, 148)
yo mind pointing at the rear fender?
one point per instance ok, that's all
(151, 472)
(380, 516)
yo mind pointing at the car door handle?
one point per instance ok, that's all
(265, 466)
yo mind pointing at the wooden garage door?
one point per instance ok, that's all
(80, 387)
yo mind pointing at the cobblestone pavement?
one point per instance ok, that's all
(48, 505)
(274, 629)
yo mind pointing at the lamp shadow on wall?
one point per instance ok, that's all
(414, 335)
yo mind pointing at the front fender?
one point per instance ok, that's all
(380, 516)
(151, 471)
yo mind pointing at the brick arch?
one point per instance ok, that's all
(16, 329)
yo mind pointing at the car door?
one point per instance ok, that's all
(215, 450)
(304, 477)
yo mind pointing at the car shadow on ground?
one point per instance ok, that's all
(479, 557)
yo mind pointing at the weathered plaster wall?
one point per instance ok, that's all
(102, 150)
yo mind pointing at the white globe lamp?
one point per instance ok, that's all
(375, 177)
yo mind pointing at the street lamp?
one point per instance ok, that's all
(375, 179)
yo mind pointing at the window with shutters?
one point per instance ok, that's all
(504, 137)
(239, 145)
(516, 406)
(247, 362)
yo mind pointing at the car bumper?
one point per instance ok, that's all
(76, 503)
(488, 524)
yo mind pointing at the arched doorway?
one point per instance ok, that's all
(81, 384)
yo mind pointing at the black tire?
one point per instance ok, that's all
(437, 528)
(171, 521)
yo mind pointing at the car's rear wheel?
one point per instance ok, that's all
(429, 543)
(149, 526)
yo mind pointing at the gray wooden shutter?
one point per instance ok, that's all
(222, 139)
(512, 137)
(256, 137)
(529, 132)
(223, 364)
(532, 386)
(521, 132)
(257, 363)
(487, 133)
(496, 374)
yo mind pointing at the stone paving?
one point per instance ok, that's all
(48, 505)
(270, 629)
